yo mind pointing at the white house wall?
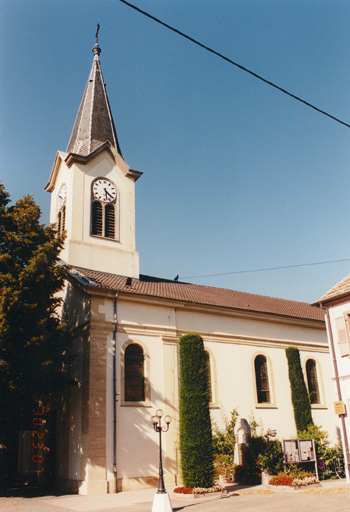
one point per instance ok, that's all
(343, 366)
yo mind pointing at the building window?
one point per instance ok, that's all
(61, 220)
(134, 374)
(208, 372)
(312, 383)
(262, 380)
(343, 329)
(104, 222)
(97, 219)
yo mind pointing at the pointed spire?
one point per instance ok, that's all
(94, 123)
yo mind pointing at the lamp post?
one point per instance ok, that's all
(161, 502)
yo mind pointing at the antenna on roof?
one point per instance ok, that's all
(97, 31)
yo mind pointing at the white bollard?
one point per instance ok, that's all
(162, 503)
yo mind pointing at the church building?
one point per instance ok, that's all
(127, 327)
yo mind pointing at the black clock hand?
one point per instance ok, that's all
(107, 194)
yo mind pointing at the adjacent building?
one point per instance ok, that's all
(336, 304)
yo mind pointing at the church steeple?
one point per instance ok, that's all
(93, 189)
(94, 123)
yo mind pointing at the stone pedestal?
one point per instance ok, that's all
(162, 503)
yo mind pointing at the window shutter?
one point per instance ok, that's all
(109, 221)
(97, 222)
(344, 345)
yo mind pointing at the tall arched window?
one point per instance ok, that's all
(104, 220)
(208, 370)
(134, 373)
(262, 380)
(61, 220)
(61, 209)
(312, 383)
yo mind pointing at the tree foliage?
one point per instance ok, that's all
(300, 397)
(196, 445)
(33, 343)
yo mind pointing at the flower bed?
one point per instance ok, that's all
(289, 481)
(200, 492)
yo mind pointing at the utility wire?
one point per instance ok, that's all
(234, 63)
(266, 269)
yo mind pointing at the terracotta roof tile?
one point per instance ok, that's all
(339, 290)
(198, 294)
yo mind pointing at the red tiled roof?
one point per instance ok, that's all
(198, 294)
(339, 290)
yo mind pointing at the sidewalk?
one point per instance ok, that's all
(141, 501)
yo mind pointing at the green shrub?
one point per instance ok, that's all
(270, 457)
(224, 440)
(323, 449)
(247, 475)
(266, 449)
(300, 397)
(196, 443)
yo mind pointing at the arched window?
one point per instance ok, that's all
(312, 384)
(104, 220)
(208, 371)
(262, 380)
(61, 220)
(134, 376)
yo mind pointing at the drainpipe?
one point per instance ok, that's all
(115, 392)
(339, 393)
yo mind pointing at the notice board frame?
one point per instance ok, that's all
(300, 451)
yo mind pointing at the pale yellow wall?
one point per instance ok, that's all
(233, 340)
(81, 249)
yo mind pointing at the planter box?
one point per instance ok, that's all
(292, 487)
(220, 494)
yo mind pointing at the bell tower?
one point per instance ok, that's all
(93, 188)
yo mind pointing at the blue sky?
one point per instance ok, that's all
(237, 176)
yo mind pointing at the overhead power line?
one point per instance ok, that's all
(265, 269)
(233, 63)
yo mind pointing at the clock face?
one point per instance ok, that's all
(62, 195)
(104, 190)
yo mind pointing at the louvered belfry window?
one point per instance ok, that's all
(104, 219)
(97, 218)
(311, 373)
(262, 380)
(109, 221)
(134, 373)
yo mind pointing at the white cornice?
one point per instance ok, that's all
(173, 335)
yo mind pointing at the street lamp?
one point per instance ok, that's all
(161, 502)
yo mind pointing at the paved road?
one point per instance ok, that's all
(332, 497)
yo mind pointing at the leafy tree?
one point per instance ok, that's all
(33, 344)
(196, 445)
(300, 397)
